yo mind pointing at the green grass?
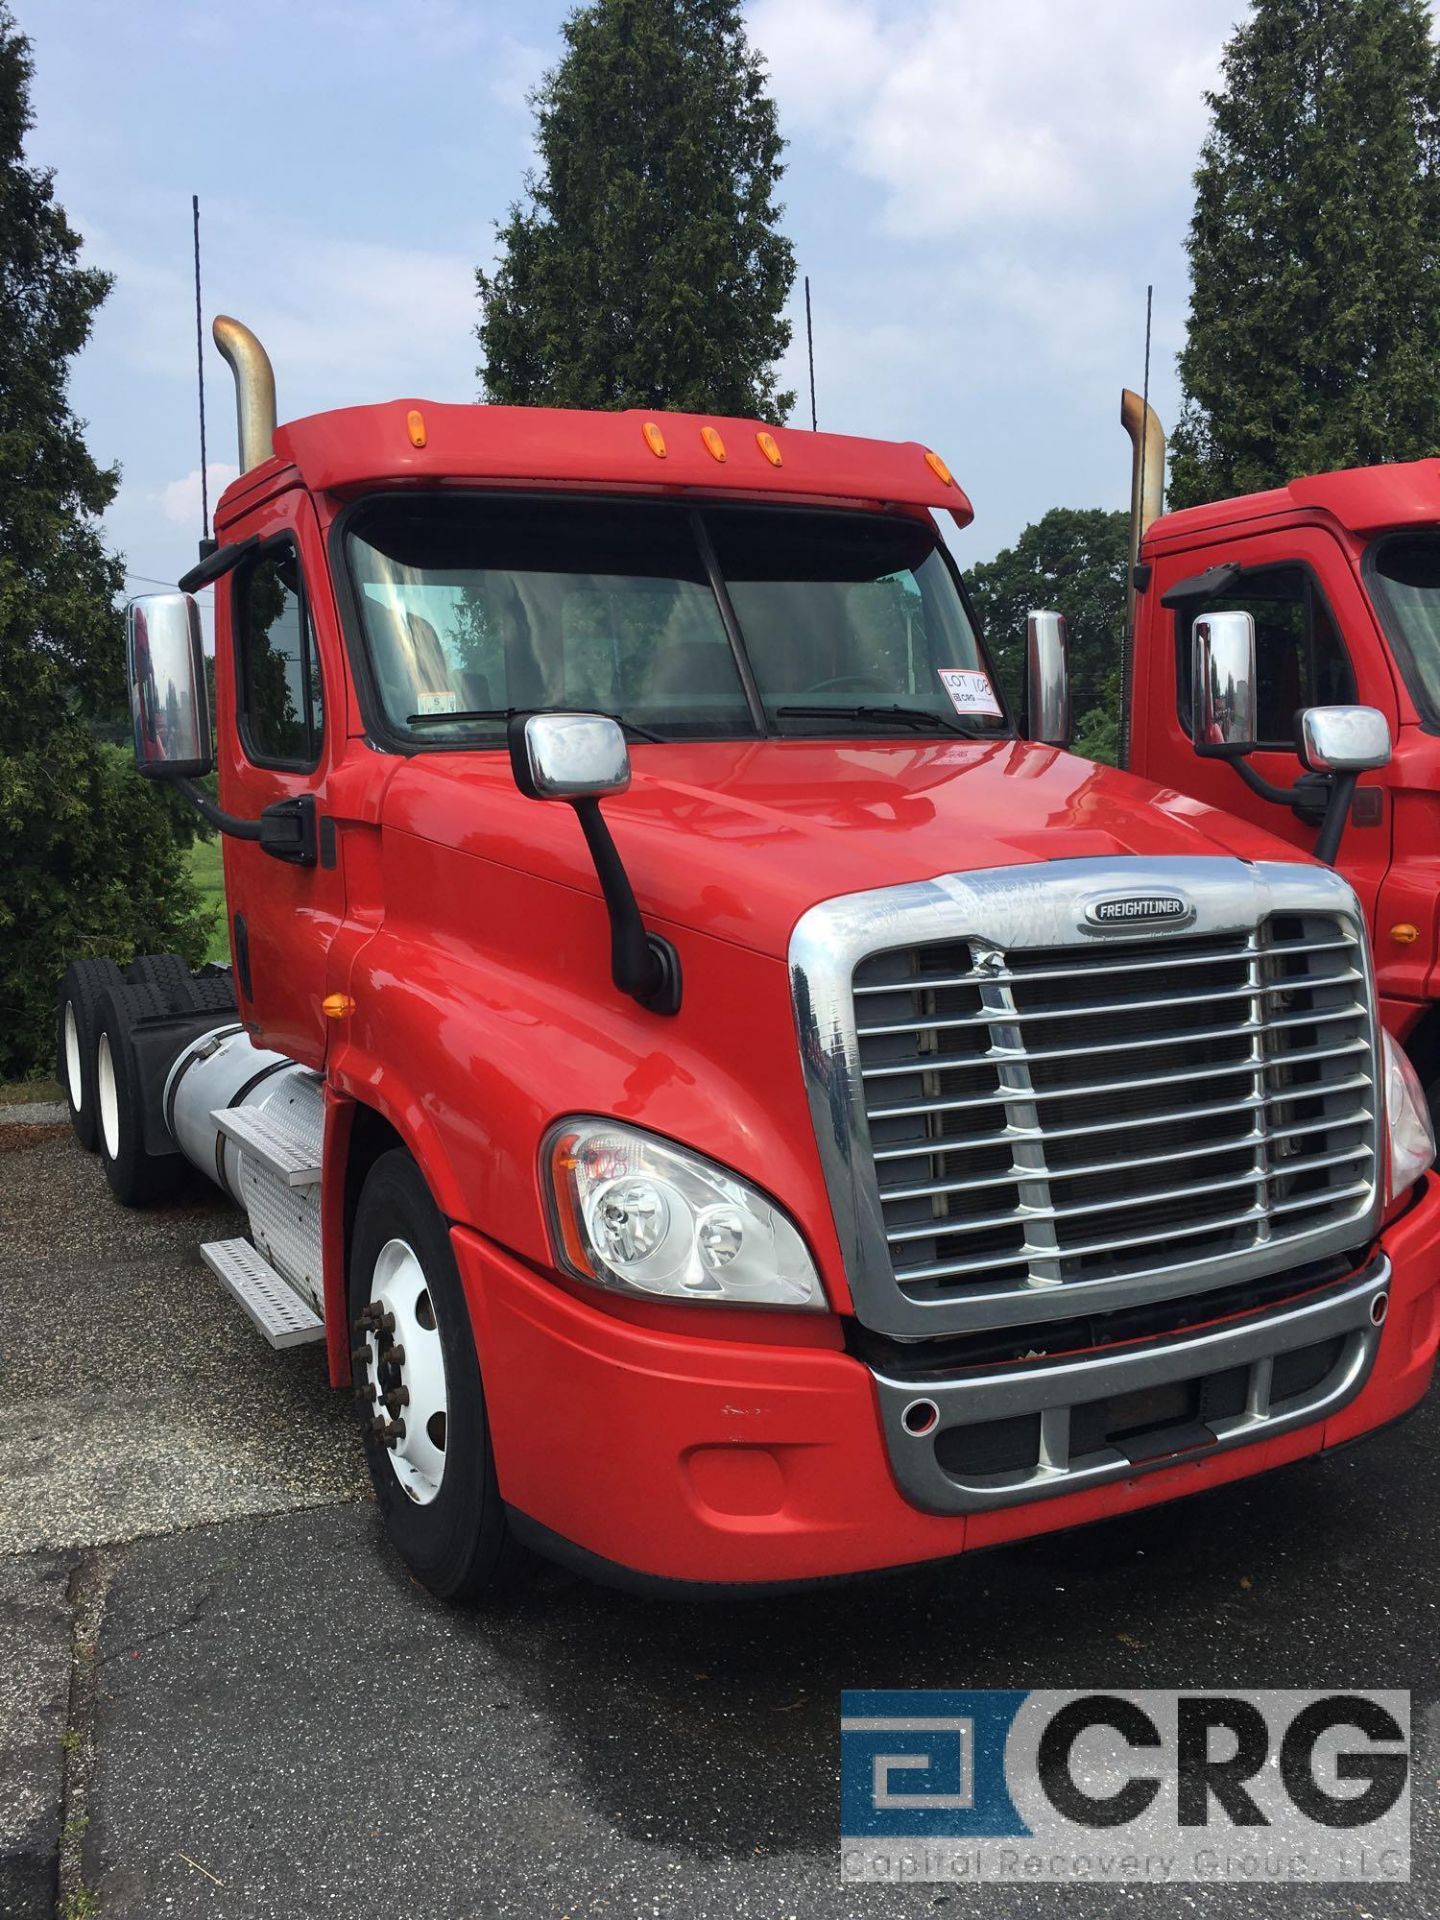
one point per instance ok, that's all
(208, 874)
(28, 1093)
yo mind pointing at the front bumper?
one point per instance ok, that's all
(720, 1462)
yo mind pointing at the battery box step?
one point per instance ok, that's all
(271, 1302)
(283, 1150)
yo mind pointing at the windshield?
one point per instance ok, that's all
(1404, 575)
(847, 622)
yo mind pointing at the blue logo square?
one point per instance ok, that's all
(926, 1765)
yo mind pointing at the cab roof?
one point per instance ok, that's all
(405, 442)
(1363, 500)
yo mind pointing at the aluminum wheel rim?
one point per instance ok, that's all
(416, 1414)
(73, 1078)
(108, 1098)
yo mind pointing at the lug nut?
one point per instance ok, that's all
(367, 1392)
(360, 1356)
(397, 1398)
(393, 1357)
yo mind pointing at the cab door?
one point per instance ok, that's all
(1314, 647)
(281, 740)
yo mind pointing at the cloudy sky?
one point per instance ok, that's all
(980, 193)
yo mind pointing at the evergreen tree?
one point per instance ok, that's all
(90, 861)
(1314, 335)
(647, 269)
(1072, 559)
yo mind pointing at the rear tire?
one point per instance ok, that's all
(75, 1035)
(168, 974)
(435, 1480)
(136, 1176)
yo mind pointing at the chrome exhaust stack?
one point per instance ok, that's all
(1147, 496)
(254, 390)
(1147, 473)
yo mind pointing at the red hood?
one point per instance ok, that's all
(737, 839)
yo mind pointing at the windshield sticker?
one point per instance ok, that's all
(970, 690)
(441, 702)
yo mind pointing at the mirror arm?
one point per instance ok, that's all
(642, 964)
(230, 823)
(1337, 812)
(1257, 783)
(1337, 803)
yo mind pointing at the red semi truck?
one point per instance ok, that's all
(735, 1108)
(1339, 575)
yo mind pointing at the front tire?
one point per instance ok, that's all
(417, 1383)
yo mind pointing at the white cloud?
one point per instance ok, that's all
(968, 114)
(516, 68)
(180, 500)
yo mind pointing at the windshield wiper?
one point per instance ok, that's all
(902, 716)
(509, 713)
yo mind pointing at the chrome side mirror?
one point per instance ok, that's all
(1344, 739)
(1047, 678)
(568, 756)
(1222, 712)
(165, 677)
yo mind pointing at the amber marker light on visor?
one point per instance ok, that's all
(654, 439)
(938, 467)
(714, 445)
(767, 446)
(415, 427)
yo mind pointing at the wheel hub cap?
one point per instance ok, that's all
(403, 1381)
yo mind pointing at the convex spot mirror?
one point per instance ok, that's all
(568, 756)
(165, 676)
(1222, 711)
(1047, 678)
(1344, 739)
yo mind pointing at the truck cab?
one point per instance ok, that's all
(736, 1107)
(1340, 573)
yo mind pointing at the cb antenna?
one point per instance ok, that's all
(810, 349)
(200, 376)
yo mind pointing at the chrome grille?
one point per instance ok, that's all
(1045, 1115)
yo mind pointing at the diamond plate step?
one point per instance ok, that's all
(275, 1307)
(289, 1156)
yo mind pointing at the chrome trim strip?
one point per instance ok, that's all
(1008, 909)
(1054, 1391)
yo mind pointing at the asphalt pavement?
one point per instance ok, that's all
(221, 1695)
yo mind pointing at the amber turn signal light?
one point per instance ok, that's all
(767, 446)
(415, 427)
(938, 467)
(654, 439)
(1404, 933)
(337, 1006)
(714, 445)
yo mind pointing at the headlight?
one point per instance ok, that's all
(1412, 1138)
(636, 1214)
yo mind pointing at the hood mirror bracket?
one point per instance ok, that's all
(579, 758)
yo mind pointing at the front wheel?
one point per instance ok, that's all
(417, 1385)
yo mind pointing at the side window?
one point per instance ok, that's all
(1300, 660)
(277, 669)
